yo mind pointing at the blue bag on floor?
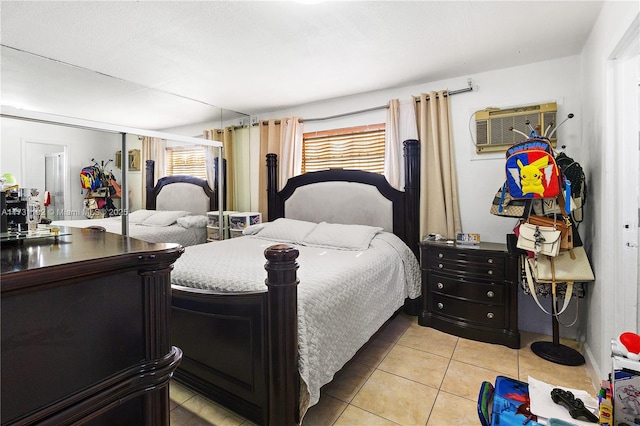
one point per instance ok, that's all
(506, 403)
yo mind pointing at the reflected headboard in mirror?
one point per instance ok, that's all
(179, 192)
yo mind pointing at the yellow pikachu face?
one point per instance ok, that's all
(531, 176)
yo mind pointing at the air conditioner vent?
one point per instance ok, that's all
(492, 126)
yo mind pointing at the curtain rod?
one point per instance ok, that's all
(469, 88)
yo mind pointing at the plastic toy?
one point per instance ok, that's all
(627, 345)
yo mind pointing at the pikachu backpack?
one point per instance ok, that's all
(531, 170)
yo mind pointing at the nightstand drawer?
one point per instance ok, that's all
(468, 256)
(491, 315)
(489, 268)
(483, 292)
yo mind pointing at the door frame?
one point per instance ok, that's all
(60, 147)
(625, 100)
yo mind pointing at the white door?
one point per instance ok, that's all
(54, 172)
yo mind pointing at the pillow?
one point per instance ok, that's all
(140, 215)
(164, 218)
(193, 221)
(286, 230)
(341, 237)
(253, 229)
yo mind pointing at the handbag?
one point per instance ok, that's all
(563, 268)
(115, 191)
(539, 239)
(504, 205)
(562, 225)
(529, 269)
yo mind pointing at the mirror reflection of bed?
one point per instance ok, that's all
(175, 212)
(356, 242)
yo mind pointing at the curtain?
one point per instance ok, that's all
(401, 125)
(152, 149)
(227, 137)
(284, 138)
(439, 206)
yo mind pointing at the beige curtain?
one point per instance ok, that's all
(400, 126)
(284, 138)
(152, 149)
(439, 206)
(227, 137)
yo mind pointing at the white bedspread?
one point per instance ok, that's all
(344, 297)
(153, 234)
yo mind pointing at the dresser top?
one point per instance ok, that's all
(481, 247)
(76, 253)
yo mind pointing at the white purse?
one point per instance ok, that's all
(539, 239)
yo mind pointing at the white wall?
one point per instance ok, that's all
(600, 159)
(83, 145)
(479, 176)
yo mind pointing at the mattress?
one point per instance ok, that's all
(173, 233)
(344, 296)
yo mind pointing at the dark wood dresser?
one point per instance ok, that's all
(85, 330)
(471, 292)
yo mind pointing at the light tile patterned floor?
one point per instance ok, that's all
(406, 375)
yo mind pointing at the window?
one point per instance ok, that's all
(186, 161)
(360, 148)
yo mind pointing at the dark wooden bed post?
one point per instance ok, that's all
(282, 313)
(412, 194)
(272, 187)
(149, 184)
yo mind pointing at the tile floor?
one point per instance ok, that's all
(406, 375)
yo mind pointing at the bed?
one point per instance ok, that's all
(253, 347)
(175, 212)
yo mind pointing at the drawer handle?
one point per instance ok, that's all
(490, 272)
(440, 265)
(440, 286)
(440, 305)
(490, 260)
(490, 315)
(490, 293)
(440, 255)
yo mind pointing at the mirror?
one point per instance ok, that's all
(40, 84)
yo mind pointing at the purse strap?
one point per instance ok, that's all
(528, 269)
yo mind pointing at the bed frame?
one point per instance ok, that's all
(208, 198)
(248, 362)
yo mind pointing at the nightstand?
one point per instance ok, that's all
(471, 291)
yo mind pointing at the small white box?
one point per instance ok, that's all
(244, 219)
(626, 390)
(213, 218)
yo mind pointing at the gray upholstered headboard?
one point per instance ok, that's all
(179, 192)
(327, 202)
(183, 196)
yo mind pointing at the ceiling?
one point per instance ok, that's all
(158, 65)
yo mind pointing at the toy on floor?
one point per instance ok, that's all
(505, 404)
(627, 345)
(574, 405)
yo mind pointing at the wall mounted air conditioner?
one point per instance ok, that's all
(492, 125)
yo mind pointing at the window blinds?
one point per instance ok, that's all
(359, 148)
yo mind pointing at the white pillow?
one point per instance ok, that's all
(341, 237)
(286, 230)
(140, 215)
(253, 229)
(164, 218)
(193, 221)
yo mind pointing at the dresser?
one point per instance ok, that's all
(471, 291)
(85, 330)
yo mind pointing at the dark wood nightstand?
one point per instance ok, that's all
(471, 291)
